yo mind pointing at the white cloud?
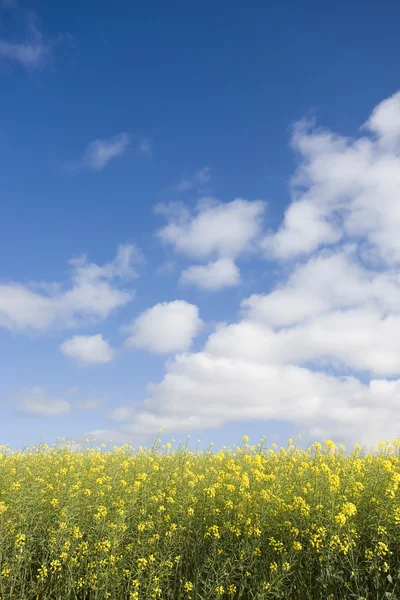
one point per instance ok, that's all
(27, 54)
(222, 229)
(385, 123)
(224, 389)
(338, 308)
(345, 189)
(124, 413)
(36, 402)
(331, 280)
(215, 275)
(88, 349)
(198, 179)
(33, 50)
(165, 328)
(100, 152)
(93, 294)
(91, 403)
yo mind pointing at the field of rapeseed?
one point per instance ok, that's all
(159, 523)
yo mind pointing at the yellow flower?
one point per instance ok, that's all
(42, 573)
(6, 571)
(330, 444)
(219, 590)
(297, 546)
(55, 565)
(381, 549)
(341, 519)
(212, 531)
(188, 586)
(349, 509)
(20, 539)
(267, 586)
(76, 532)
(101, 512)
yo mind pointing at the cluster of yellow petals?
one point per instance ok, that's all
(128, 519)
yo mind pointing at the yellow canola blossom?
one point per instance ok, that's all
(111, 518)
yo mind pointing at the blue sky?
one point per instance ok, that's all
(197, 231)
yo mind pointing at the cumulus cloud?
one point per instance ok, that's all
(225, 389)
(99, 153)
(37, 402)
(321, 349)
(385, 123)
(215, 230)
(88, 349)
(215, 275)
(198, 179)
(345, 189)
(94, 292)
(165, 328)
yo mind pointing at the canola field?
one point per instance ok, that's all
(246, 523)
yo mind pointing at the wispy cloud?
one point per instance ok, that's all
(197, 180)
(166, 267)
(37, 402)
(32, 51)
(146, 146)
(92, 403)
(99, 153)
(26, 54)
